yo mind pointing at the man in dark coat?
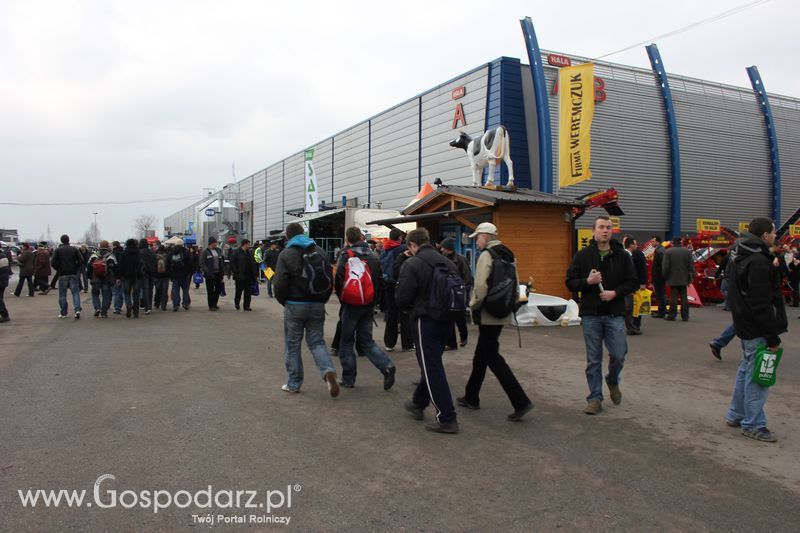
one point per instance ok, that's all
(26, 269)
(678, 270)
(657, 278)
(245, 272)
(603, 273)
(180, 269)
(132, 270)
(67, 261)
(392, 249)
(357, 318)
(41, 268)
(462, 266)
(212, 263)
(759, 317)
(147, 281)
(5, 274)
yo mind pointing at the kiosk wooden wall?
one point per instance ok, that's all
(541, 238)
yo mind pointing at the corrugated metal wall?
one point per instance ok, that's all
(725, 166)
(786, 114)
(395, 146)
(350, 163)
(274, 200)
(259, 204)
(323, 167)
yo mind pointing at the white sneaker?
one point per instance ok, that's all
(387, 349)
(285, 388)
(62, 316)
(77, 315)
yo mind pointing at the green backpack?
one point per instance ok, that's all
(765, 369)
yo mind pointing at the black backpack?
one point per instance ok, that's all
(502, 298)
(315, 269)
(448, 294)
(177, 259)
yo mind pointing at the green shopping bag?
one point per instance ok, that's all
(765, 370)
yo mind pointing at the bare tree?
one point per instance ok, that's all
(144, 223)
(92, 235)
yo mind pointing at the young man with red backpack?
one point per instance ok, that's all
(358, 285)
(101, 273)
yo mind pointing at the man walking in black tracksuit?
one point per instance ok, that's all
(412, 293)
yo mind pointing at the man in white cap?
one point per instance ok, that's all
(495, 265)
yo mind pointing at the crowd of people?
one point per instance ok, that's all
(425, 290)
(139, 275)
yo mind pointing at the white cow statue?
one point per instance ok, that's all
(488, 149)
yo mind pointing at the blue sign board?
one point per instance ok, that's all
(210, 212)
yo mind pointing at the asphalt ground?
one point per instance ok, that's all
(183, 401)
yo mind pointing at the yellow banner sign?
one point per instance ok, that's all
(576, 110)
(794, 230)
(744, 226)
(707, 226)
(584, 236)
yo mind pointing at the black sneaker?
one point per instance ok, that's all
(416, 412)
(517, 415)
(128, 313)
(437, 427)
(388, 377)
(96, 313)
(716, 351)
(462, 401)
(77, 315)
(346, 385)
(760, 434)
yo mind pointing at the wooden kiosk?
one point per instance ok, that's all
(537, 226)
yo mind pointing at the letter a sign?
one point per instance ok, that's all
(312, 201)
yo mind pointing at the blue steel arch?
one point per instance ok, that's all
(672, 131)
(545, 143)
(772, 139)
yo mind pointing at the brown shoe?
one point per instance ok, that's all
(615, 393)
(333, 385)
(593, 407)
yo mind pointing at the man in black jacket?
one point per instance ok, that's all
(67, 261)
(603, 273)
(302, 285)
(245, 271)
(357, 316)
(132, 270)
(393, 247)
(430, 335)
(147, 281)
(759, 316)
(633, 325)
(657, 277)
(180, 268)
(212, 265)
(462, 266)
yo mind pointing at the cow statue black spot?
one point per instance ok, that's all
(488, 149)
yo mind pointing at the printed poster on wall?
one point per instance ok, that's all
(576, 110)
(312, 200)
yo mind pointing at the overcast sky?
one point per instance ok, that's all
(107, 101)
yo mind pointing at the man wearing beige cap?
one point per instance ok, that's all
(490, 319)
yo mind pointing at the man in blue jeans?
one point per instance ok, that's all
(303, 284)
(759, 317)
(67, 261)
(358, 314)
(604, 274)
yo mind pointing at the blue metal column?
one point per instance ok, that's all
(672, 131)
(419, 147)
(542, 107)
(772, 138)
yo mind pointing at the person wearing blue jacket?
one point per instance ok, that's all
(302, 284)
